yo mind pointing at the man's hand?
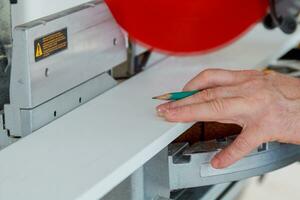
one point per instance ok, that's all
(265, 104)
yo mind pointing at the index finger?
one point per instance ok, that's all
(203, 96)
(228, 109)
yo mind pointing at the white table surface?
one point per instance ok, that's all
(86, 153)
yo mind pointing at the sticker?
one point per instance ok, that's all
(50, 44)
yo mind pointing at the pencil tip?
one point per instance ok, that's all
(162, 97)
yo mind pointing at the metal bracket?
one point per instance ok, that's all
(5, 140)
(195, 169)
(41, 91)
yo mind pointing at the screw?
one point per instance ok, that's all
(46, 72)
(115, 41)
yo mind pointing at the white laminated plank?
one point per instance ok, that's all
(92, 149)
(86, 153)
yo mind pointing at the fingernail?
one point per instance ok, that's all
(162, 109)
(160, 113)
(215, 163)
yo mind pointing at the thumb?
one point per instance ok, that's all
(244, 144)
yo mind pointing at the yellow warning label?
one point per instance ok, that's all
(38, 51)
(50, 44)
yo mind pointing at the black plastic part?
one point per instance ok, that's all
(282, 69)
(141, 61)
(269, 23)
(288, 25)
(294, 54)
(13, 1)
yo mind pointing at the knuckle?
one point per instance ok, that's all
(183, 114)
(183, 110)
(188, 110)
(207, 94)
(177, 110)
(228, 155)
(171, 105)
(241, 144)
(254, 85)
(206, 74)
(217, 105)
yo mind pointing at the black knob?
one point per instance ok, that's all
(288, 25)
(269, 23)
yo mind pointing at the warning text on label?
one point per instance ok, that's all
(50, 44)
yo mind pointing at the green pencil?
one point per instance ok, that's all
(175, 96)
